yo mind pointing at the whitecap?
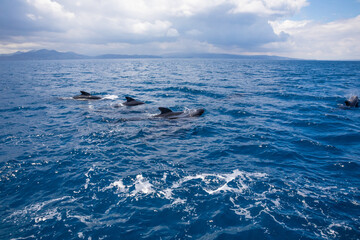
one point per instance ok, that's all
(235, 182)
(142, 186)
(237, 175)
(119, 185)
(167, 193)
(81, 235)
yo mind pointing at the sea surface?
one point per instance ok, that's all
(274, 156)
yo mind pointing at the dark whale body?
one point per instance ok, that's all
(132, 102)
(167, 113)
(86, 96)
(352, 102)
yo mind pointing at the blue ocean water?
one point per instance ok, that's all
(273, 157)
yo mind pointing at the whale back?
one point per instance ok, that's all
(129, 99)
(86, 96)
(352, 102)
(85, 93)
(164, 110)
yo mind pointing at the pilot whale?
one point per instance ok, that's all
(352, 102)
(131, 102)
(167, 113)
(86, 96)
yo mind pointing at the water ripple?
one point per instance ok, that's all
(273, 157)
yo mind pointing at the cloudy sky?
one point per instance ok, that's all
(309, 29)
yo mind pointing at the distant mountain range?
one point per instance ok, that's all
(45, 54)
(42, 55)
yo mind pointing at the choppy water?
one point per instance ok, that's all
(273, 157)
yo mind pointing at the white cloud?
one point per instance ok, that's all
(156, 26)
(51, 8)
(269, 7)
(288, 26)
(151, 28)
(194, 32)
(308, 39)
(140, 21)
(172, 33)
(33, 17)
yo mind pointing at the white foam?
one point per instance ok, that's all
(235, 182)
(276, 202)
(119, 185)
(66, 98)
(33, 208)
(340, 225)
(37, 213)
(83, 219)
(237, 175)
(87, 181)
(81, 235)
(178, 201)
(51, 214)
(90, 170)
(167, 193)
(118, 105)
(110, 97)
(24, 238)
(240, 211)
(142, 186)
(164, 177)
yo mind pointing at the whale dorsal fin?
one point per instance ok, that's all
(129, 99)
(85, 93)
(164, 110)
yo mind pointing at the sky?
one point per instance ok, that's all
(306, 29)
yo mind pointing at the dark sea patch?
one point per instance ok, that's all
(274, 156)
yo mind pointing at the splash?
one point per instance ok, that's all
(110, 97)
(235, 182)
